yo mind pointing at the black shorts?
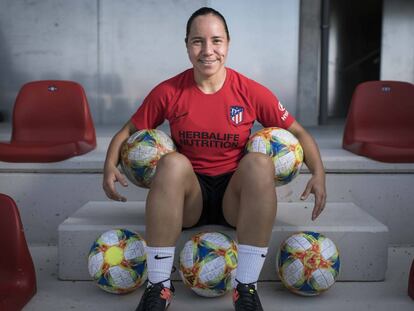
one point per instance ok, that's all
(212, 189)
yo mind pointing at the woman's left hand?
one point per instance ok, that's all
(316, 185)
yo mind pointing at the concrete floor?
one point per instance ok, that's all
(391, 294)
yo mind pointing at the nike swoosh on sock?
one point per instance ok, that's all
(161, 257)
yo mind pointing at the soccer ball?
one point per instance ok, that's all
(117, 261)
(308, 263)
(284, 149)
(208, 263)
(140, 154)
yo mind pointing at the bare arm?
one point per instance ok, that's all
(111, 171)
(312, 158)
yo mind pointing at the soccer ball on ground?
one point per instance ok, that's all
(208, 263)
(284, 149)
(140, 154)
(117, 261)
(308, 263)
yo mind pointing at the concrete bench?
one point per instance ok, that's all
(361, 239)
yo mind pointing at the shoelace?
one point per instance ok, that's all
(247, 298)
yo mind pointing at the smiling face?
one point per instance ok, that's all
(207, 47)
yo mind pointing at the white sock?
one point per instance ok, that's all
(159, 263)
(250, 263)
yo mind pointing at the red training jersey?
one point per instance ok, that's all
(211, 130)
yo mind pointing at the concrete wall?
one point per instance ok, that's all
(307, 110)
(397, 49)
(119, 50)
(47, 40)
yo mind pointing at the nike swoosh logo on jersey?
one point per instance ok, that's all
(263, 255)
(161, 257)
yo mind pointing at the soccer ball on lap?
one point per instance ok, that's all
(284, 149)
(208, 262)
(117, 261)
(308, 263)
(140, 155)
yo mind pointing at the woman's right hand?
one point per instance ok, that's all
(111, 176)
(111, 172)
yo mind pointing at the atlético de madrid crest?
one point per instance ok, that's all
(236, 114)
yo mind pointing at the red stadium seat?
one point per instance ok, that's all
(411, 282)
(17, 273)
(380, 121)
(51, 122)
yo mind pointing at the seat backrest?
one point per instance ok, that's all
(381, 112)
(11, 233)
(411, 281)
(17, 272)
(52, 111)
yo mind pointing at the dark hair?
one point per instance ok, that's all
(205, 11)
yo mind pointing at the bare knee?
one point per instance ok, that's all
(258, 187)
(257, 165)
(173, 165)
(257, 160)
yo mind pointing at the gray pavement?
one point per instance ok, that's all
(391, 294)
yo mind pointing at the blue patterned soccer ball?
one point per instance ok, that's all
(284, 149)
(308, 263)
(208, 262)
(117, 261)
(140, 155)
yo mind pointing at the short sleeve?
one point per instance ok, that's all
(269, 110)
(152, 111)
